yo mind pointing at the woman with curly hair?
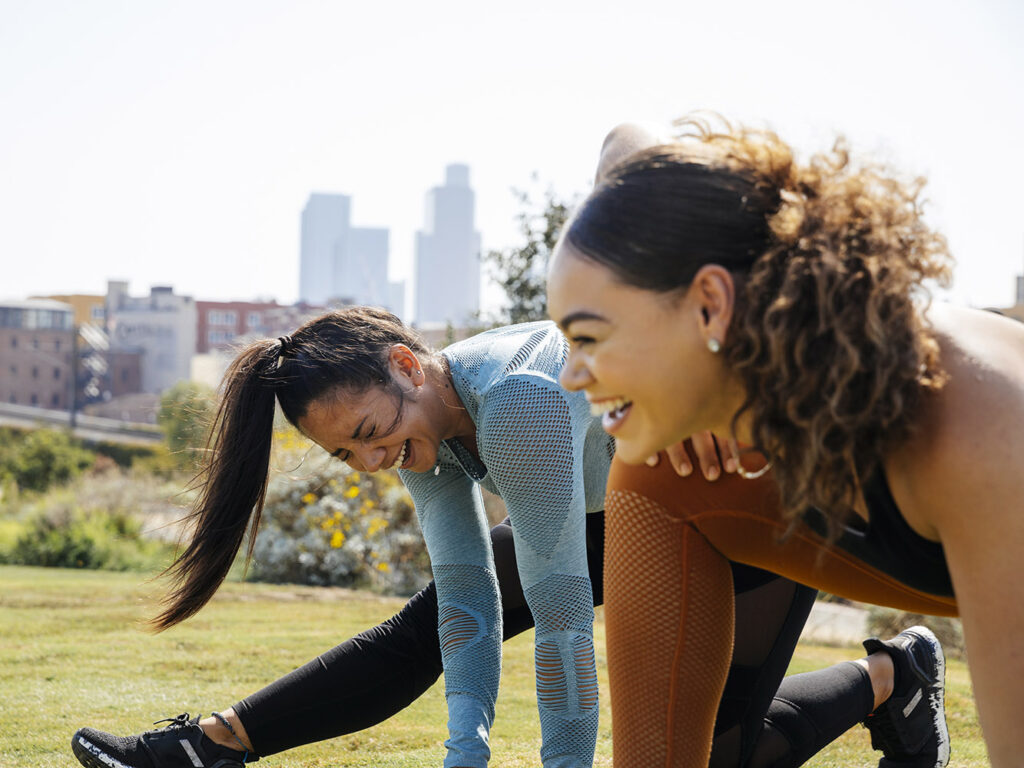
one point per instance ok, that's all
(784, 304)
(485, 412)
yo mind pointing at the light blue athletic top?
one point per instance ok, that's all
(543, 453)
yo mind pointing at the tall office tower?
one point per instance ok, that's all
(448, 254)
(339, 263)
(325, 227)
(396, 298)
(363, 270)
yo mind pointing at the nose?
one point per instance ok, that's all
(574, 375)
(370, 457)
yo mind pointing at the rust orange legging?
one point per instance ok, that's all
(669, 599)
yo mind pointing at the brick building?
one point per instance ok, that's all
(36, 345)
(221, 325)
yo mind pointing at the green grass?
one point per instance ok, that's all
(72, 654)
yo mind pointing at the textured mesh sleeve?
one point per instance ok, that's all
(531, 438)
(455, 529)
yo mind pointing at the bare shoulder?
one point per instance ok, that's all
(969, 439)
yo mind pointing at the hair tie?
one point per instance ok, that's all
(285, 343)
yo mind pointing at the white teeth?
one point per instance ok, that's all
(607, 406)
(401, 457)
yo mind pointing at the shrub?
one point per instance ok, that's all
(106, 518)
(888, 622)
(186, 410)
(333, 526)
(41, 458)
(66, 537)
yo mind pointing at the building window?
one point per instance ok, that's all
(35, 372)
(253, 320)
(14, 342)
(35, 343)
(219, 337)
(14, 370)
(35, 399)
(56, 345)
(99, 312)
(222, 317)
(14, 398)
(124, 375)
(55, 400)
(56, 373)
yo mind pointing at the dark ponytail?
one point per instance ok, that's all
(232, 484)
(344, 350)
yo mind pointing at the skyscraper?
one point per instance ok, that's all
(448, 253)
(325, 226)
(339, 262)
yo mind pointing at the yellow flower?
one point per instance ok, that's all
(337, 539)
(377, 524)
(354, 477)
(383, 567)
(309, 498)
(352, 492)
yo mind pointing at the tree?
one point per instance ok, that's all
(186, 410)
(522, 271)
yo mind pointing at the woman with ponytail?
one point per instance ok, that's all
(484, 411)
(784, 306)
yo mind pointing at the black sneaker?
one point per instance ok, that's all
(910, 727)
(181, 744)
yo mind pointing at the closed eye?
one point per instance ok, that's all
(579, 341)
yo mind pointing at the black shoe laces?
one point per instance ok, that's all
(180, 721)
(886, 732)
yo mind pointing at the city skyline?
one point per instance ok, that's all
(143, 146)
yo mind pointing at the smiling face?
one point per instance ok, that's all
(641, 356)
(374, 429)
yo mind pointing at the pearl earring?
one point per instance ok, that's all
(714, 346)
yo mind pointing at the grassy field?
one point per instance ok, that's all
(72, 654)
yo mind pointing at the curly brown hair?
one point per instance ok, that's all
(830, 260)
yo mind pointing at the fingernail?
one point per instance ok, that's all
(712, 473)
(652, 461)
(684, 470)
(730, 465)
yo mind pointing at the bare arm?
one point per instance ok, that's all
(963, 479)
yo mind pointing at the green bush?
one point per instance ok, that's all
(888, 622)
(124, 456)
(41, 458)
(329, 525)
(73, 538)
(186, 410)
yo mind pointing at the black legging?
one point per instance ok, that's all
(763, 719)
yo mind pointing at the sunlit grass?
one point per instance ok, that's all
(72, 654)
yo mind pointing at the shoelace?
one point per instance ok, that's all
(885, 729)
(180, 721)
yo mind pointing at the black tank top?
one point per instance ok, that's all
(888, 543)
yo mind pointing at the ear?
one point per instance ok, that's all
(714, 292)
(405, 365)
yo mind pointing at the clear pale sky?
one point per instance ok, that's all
(176, 143)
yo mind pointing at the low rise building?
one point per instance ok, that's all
(37, 341)
(161, 327)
